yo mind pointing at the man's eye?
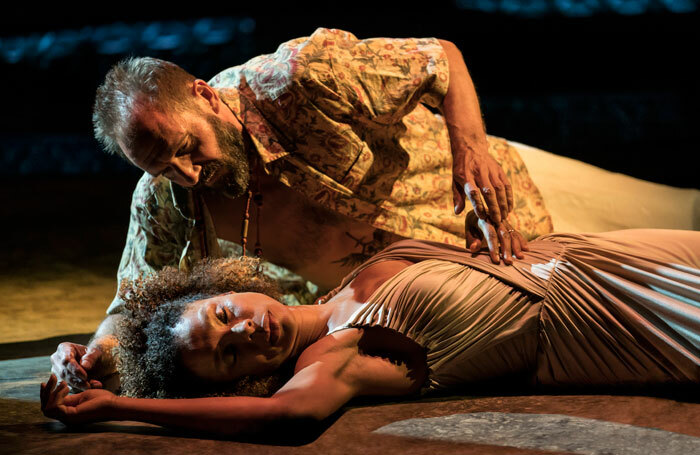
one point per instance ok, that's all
(223, 316)
(183, 151)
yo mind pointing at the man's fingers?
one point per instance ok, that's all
(71, 377)
(523, 242)
(500, 189)
(489, 194)
(473, 242)
(75, 375)
(76, 370)
(491, 240)
(475, 246)
(516, 242)
(474, 195)
(505, 240)
(458, 198)
(95, 384)
(509, 196)
(90, 357)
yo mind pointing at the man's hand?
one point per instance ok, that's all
(477, 174)
(501, 239)
(72, 363)
(89, 406)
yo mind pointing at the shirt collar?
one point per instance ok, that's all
(265, 140)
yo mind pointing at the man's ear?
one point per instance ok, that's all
(206, 95)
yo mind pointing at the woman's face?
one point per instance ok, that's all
(234, 335)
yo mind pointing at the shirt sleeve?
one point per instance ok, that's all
(157, 233)
(381, 79)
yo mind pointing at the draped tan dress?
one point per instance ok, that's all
(581, 309)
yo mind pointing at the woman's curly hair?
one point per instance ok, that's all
(147, 353)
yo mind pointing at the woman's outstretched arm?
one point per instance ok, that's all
(313, 393)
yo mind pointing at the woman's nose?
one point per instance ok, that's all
(245, 327)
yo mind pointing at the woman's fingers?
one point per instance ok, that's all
(61, 392)
(73, 400)
(52, 397)
(53, 393)
(42, 395)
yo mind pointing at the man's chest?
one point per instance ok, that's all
(297, 234)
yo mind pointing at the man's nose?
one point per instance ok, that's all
(187, 172)
(245, 328)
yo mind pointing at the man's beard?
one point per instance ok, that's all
(232, 168)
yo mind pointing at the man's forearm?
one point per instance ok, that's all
(461, 106)
(105, 340)
(108, 327)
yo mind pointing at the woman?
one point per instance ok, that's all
(620, 308)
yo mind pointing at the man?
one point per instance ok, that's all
(336, 135)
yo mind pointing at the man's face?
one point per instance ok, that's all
(191, 148)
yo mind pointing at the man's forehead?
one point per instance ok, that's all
(150, 132)
(151, 123)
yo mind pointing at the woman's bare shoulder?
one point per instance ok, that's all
(369, 279)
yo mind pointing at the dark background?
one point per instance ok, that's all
(609, 82)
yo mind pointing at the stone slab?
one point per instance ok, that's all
(547, 432)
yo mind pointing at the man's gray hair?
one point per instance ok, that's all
(131, 81)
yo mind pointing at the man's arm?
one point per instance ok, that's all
(475, 172)
(156, 237)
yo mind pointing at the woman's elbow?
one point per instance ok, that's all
(306, 412)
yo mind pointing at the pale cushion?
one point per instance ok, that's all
(585, 198)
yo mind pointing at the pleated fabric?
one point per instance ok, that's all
(581, 309)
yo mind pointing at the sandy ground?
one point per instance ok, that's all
(61, 300)
(64, 241)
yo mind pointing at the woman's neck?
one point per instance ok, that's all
(312, 323)
(315, 321)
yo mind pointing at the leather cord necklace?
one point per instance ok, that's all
(257, 198)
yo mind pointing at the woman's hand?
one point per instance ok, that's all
(499, 238)
(94, 405)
